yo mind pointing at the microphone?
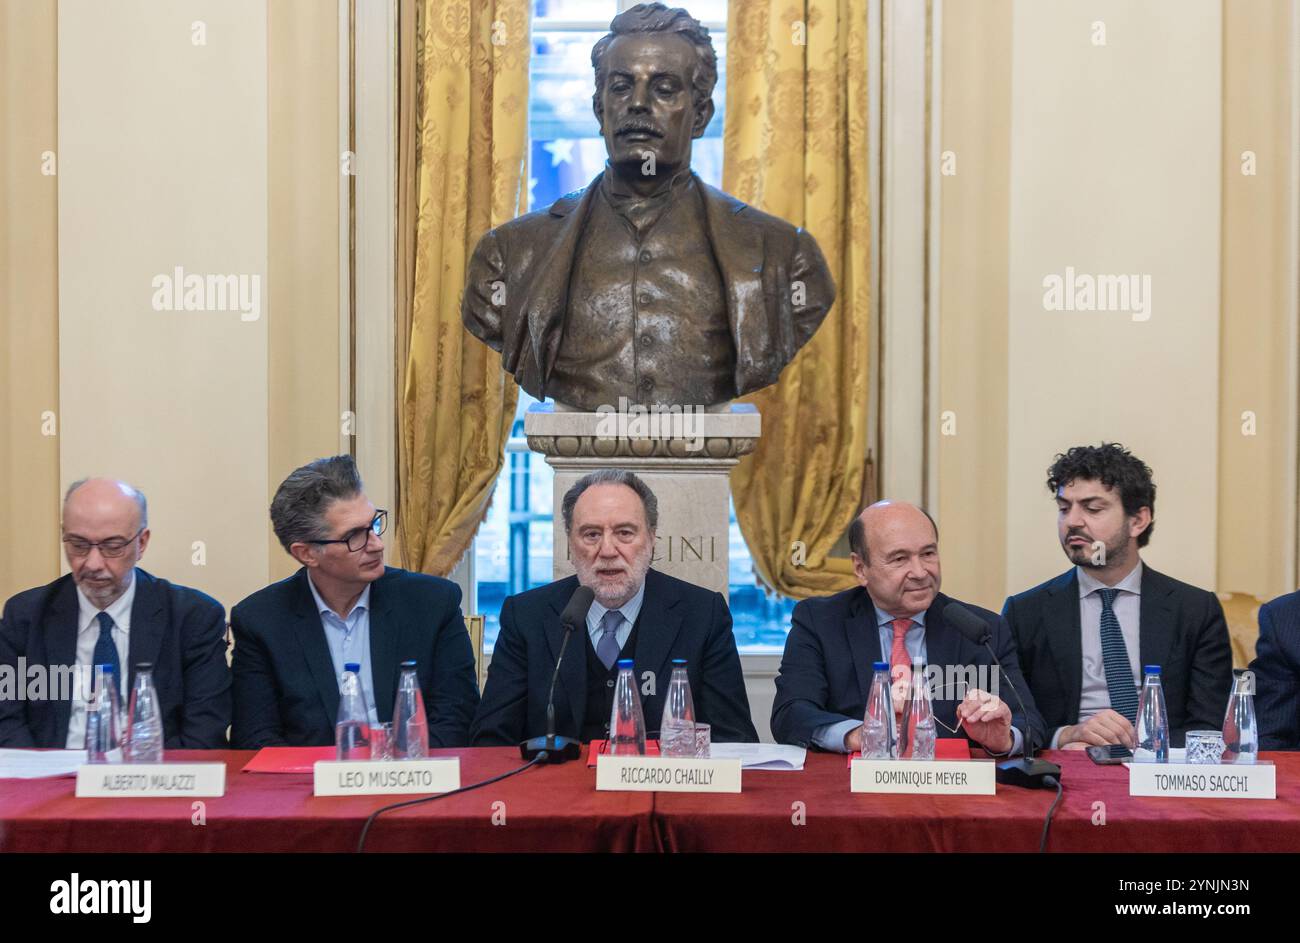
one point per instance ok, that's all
(550, 748)
(1026, 771)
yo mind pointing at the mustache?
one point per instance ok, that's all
(638, 124)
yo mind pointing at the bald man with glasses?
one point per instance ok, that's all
(108, 611)
(344, 606)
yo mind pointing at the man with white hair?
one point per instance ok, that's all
(108, 611)
(638, 613)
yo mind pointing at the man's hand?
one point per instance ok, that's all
(853, 740)
(987, 720)
(1103, 728)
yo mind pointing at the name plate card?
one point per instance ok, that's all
(1207, 781)
(151, 780)
(925, 777)
(386, 777)
(667, 774)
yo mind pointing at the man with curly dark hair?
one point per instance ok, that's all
(1084, 636)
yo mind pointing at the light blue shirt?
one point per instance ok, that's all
(630, 610)
(349, 641)
(831, 736)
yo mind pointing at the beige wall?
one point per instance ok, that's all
(221, 158)
(1118, 159)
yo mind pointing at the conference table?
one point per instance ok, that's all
(558, 809)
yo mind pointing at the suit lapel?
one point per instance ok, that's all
(546, 300)
(739, 253)
(383, 648)
(1064, 631)
(61, 647)
(863, 636)
(310, 634)
(572, 684)
(148, 624)
(942, 648)
(659, 624)
(1157, 620)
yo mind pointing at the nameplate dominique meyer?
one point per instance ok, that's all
(1230, 781)
(667, 774)
(386, 777)
(151, 780)
(925, 777)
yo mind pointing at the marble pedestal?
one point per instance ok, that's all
(685, 458)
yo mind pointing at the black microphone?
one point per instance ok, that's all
(1026, 771)
(550, 748)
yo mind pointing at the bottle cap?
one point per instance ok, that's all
(1151, 670)
(880, 666)
(625, 663)
(408, 664)
(352, 666)
(680, 661)
(144, 666)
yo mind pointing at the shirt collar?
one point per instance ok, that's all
(119, 611)
(1089, 584)
(630, 609)
(884, 618)
(322, 607)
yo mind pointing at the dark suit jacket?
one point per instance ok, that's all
(181, 631)
(758, 256)
(826, 670)
(1182, 630)
(1277, 674)
(677, 620)
(286, 689)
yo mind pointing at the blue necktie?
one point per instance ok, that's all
(105, 650)
(607, 648)
(1114, 656)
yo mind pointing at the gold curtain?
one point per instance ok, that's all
(465, 74)
(796, 146)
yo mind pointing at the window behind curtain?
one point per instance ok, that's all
(513, 550)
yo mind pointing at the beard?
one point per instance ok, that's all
(1116, 551)
(614, 590)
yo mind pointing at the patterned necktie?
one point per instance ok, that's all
(607, 648)
(105, 651)
(900, 663)
(1114, 656)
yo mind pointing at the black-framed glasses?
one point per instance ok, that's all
(357, 538)
(112, 547)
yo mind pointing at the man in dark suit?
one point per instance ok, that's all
(896, 614)
(293, 638)
(638, 613)
(1277, 674)
(647, 284)
(1085, 635)
(109, 611)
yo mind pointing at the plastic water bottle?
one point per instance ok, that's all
(410, 725)
(352, 732)
(677, 728)
(1240, 733)
(144, 719)
(879, 739)
(922, 714)
(102, 715)
(626, 723)
(1152, 734)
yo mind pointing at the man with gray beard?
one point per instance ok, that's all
(638, 613)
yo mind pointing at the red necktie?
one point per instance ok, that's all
(900, 673)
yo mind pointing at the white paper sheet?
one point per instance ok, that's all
(39, 764)
(773, 756)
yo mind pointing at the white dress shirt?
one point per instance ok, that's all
(630, 610)
(87, 636)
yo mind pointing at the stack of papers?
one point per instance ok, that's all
(40, 764)
(760, 755)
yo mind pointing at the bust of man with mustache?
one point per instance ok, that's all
(648, 284)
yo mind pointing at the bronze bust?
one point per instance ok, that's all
(647, 284)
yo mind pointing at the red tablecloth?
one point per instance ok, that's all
(763, 817)
(557, 808)
(547, 808)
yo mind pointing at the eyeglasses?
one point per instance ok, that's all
(112, 547)
(357, 538)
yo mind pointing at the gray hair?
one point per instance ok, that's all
(611, 476)
(658, 18)
(299, 506)
(130, 490)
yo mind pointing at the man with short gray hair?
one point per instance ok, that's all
(638, 613)
(293, 638)
(108, 611)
